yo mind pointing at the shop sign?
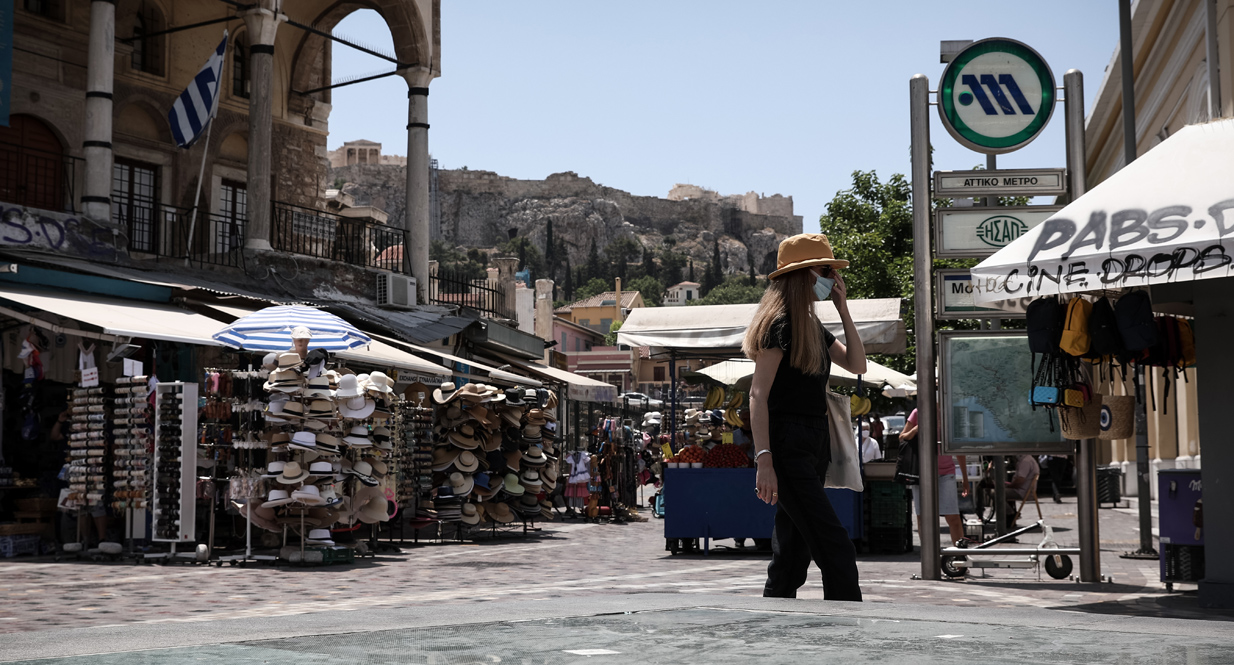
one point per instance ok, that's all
(90, 377)
(954, 299)
(996, 96)
(964, 233)
(1003, 182)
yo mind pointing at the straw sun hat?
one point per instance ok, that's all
(805, 250)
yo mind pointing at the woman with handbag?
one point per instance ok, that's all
(793, 353)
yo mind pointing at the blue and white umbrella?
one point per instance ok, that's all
(270, 329)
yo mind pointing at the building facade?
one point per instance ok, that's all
(681, 294)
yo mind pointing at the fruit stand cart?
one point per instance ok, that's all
(708, 504)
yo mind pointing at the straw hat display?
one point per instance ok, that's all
(335, 450)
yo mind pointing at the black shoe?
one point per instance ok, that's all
(1057, 500)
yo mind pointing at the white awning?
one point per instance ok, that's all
(377, 353)
(493, 373)
(714, 328)
(738, 372)
(1166, 217)
(578, 387)
(121, 318)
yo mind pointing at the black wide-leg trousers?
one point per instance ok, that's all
(806, 527)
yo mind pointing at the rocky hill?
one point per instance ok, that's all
(482, 209)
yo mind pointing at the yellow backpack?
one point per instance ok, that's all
(1075, 339)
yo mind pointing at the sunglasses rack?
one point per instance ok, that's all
(175, 465)
(416, 470)
(131, 429)
(87, 472)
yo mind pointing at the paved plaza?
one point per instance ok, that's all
(569, 577)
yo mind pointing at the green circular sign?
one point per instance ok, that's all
(996, 96)
(1000, 230)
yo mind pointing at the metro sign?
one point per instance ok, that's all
(996, 96)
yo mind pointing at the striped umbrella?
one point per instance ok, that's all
(270, 329)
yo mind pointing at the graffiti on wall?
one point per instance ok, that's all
(61, 233)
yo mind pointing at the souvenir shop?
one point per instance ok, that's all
(1149, 292)
(142, 430)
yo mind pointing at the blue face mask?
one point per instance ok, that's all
(822, 287)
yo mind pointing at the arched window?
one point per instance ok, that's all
(34, 171)
(240, 67)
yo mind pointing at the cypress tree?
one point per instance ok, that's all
(550, 251)
(567, 289)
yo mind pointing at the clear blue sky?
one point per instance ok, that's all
(773, 97)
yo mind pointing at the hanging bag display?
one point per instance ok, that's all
(1082, 422)
(1117, 419)
(1075, 339)
(908, 467)
(1136, 327)
(844, 471)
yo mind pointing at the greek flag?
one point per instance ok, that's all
(200, 101)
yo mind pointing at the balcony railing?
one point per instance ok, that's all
(327, 236)
(162, 231)
(37, 179)
(451, 286)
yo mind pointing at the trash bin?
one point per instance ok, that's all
(1109, 485)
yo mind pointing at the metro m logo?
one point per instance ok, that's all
(996, 90)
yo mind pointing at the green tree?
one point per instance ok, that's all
(550, 252)
(649, 264)
(529, 257)
(871, 226)
(713, 274)
(594, 286)
(691, 270)
(619, 253)
(456, 268)
(671, 266)
(735, 290)
(567, 289)
(594, 269)
(651, 288)
(611, 338)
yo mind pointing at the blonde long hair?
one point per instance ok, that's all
(791, 295)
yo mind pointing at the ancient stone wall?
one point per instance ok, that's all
(483, 209)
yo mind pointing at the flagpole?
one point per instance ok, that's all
(201, 173)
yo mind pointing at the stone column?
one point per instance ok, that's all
(416, 217)
(506, 267)
(262, 22)
(544, 313)
(100, 74)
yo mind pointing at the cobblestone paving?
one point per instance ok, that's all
(566, 559)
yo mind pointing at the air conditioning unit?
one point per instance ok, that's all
(396, 291)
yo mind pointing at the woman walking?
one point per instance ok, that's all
(793, 355)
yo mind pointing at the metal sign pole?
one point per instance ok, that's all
(923, 327)
(1086, 457)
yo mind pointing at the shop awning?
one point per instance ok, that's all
(454, 362)
(378, 353)
(578, 388)
(717, 328)
(121, 318)
(739, 372)
(1166, 217)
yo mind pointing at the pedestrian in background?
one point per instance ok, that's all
(793, 353)
(948, 501)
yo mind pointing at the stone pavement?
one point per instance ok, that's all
(567, 560)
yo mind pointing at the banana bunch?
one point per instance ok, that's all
(715, 397)
(730, 412)
(860, 406)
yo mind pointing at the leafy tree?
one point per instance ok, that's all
(611, 338)
(594, 286)
(671, 266)
(456, 268)
(871, 225)
(735, 290)
(651, 288)
(713, 274)
(620, 252)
